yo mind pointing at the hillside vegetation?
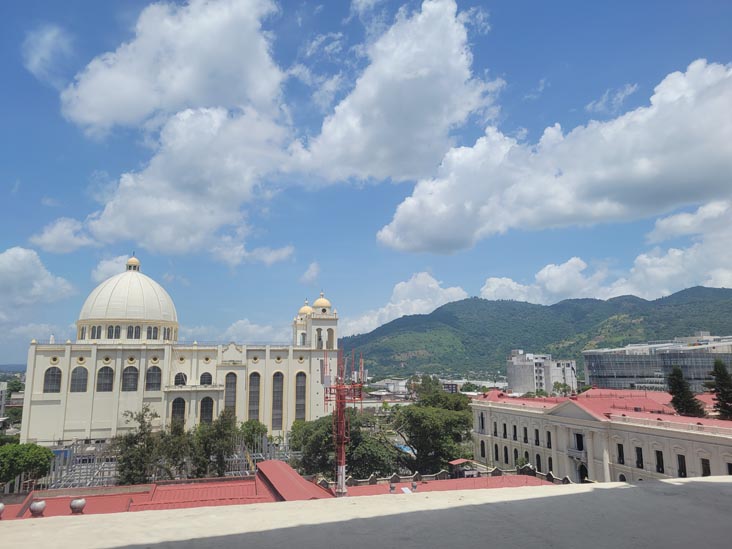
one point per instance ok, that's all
(474, 336)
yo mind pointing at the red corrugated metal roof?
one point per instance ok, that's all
(505, 481)
(459, 461)
(288, 483)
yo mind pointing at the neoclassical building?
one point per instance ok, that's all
(601, 435)
(127, 355)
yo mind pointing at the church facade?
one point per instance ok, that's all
(127, 355)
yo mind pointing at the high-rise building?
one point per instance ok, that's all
(529, 373)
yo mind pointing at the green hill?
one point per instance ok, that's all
(476, 335)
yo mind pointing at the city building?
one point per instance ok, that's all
(127, 355)
(3, 397)
(647, 365)
(600, 435)
(529, 373)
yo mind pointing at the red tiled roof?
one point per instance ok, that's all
(505, 481)
(288, 483)
(459, 461)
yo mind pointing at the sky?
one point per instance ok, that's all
(395, 155)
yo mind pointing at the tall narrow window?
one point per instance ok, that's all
(515, 435)
(659, 462)
(682, 465)
(130, 332)
(549, 464)
(515, 456)
(505, 454)
(639, 457)
(155, 333)
(79, 378)
(149, 332)
(230, 392)
(481, 422)
(117, 332)
(253, 396)
(277, 387)
(706, 467)
(93, 332)
(300, 394)
(110, 332)
(621, 454)
(179, 410)
(482, 448)
(526, 435)
(579, 441)
(207, 410)
(538, 463)
(505, 435)
(548, 439)
(52, 380)
(82, 333)
(536, 437)
(495, 429)
(496, 456)
(153, 379)
(105, 380)
(137, 332)
(129, 379)
(206, 378)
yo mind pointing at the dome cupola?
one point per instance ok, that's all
(305, 309)
(322, 304)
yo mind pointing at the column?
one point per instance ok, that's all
(568, 468)
(590, 455)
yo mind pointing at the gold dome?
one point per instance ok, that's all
(321, 302)
(305, 309)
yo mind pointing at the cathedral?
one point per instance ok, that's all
(127, 355)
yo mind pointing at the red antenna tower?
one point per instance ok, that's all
(342, 393)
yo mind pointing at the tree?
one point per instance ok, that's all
(175, 448)
(368, 453)
(561, 388)
(253, 432)
(212, 444)
(137, 450)
(434, 435)
(31, 459)
(15, 415)
(683, 400)
(14, 386)
(469, 387)
(722, 389)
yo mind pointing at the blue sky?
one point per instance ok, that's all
(398, 155)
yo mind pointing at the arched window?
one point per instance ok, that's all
(496, 455)
(230, 392)
(302, 339)
(300, 394)
(82, 332)
(149, 332)
(153, 379)
(105, 380)
(93, 332)
(206, 379)
(538, 463)
(207, 410)
(253, 396)
(180, 379)
(155, 332)
(110, 332)
(319, 337)
(179, 410)
(277, 387)
(505, 454)
(622, 478)
(129, 378)
(166, 334)
(79, 378)
(130, 332)
(482, 448)
(117, 330)
(52, 380)
(137, 332)
(331, 338)
(515, 456)
(549, 465)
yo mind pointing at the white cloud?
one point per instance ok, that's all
(25, 281)
(421, 294)
(536, 92)
(311, 273)
(204, 53)
(675, 152)
(658, 272)
(417, 88)
(611, 102)
(360, 7)
(327, 89)
(62, 236)
(107, 268)
(43, 50)
(246, 331)
(328, 44)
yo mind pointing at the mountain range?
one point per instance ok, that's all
(473, 337)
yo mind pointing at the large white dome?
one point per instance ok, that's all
(129, 296)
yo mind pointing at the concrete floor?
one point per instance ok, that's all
(685, 513)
